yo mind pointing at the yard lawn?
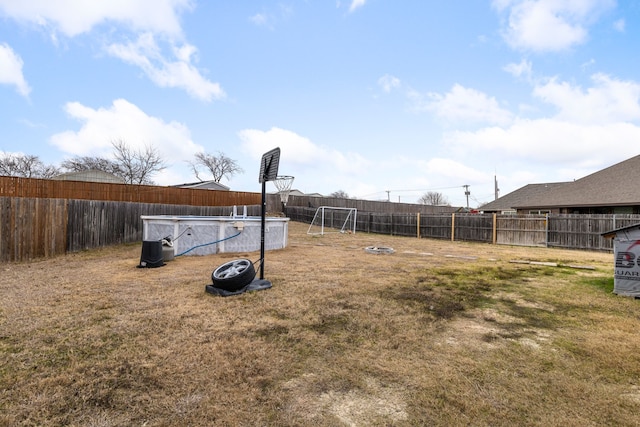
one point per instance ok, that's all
(438, 333)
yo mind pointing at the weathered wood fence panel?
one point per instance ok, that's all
(35, 227)
(31, 228)
(393, 224)
(622, 220)
(39, 227)
(585, 231)
(521, 230)
(473, 227)
(436, 226)
(365, 205)
(11, 186)
(99, 223)
(562, 231)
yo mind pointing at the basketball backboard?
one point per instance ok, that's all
(269, 165)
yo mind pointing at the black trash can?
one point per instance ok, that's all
(151, 256)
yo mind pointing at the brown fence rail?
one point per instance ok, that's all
(584, 231)
(93, 224)
(521, 230)
(81, 190)
(560, 231)
(33, 228)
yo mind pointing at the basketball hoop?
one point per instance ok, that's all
(283, 184)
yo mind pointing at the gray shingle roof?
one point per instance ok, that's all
(522, 196)
(617, 185)
(91, 175)
(204, 185)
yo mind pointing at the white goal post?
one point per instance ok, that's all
(328, 216)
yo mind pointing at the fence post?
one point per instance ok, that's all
(546, 230)
(392, 227)
(453, 227)
(418, 222)
(495, 228)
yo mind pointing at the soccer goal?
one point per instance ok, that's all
(330, 219)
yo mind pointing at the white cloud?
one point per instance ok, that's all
(124, 121)
(273, 16)
(355, 4)
(74, 17)
(571, 131)
(300, 154)
(11, 70)
(463, 105)
(454, 170)
(146, 54)
(521, 70)
(259, 19)
(388, 83)
(607, 101)
(548, 141)
(588, 64)
(591, 128)
(549, 25)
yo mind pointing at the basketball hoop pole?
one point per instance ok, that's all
(268, 172)
(262, 226)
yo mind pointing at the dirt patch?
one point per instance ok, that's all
(356, 407)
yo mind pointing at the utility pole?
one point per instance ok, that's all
(467, 193)
(495, 187)
(388, 195)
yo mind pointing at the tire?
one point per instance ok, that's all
(233, 275)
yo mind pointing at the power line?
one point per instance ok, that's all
(428, 189)
(412, 191)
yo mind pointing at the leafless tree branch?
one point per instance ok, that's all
(219, 166)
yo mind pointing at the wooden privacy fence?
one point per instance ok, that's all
(559, 231)
(42, 217)
(41, 227)
(51, 189)
(33, 227)
(365, 205)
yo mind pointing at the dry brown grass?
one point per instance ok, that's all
(437, 333)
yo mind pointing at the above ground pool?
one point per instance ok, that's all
(204, 235)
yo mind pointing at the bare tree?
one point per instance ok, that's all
(433, 198)
(137, 166)
(133, 166)
(220, 166)
(340, 194)
(84, 163)
(26, 166)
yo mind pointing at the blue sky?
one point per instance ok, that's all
(377, 98)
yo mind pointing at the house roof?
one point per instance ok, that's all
(613, 233)
(612, 186)
(204, 185)
(520, 196)
(91, 175)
